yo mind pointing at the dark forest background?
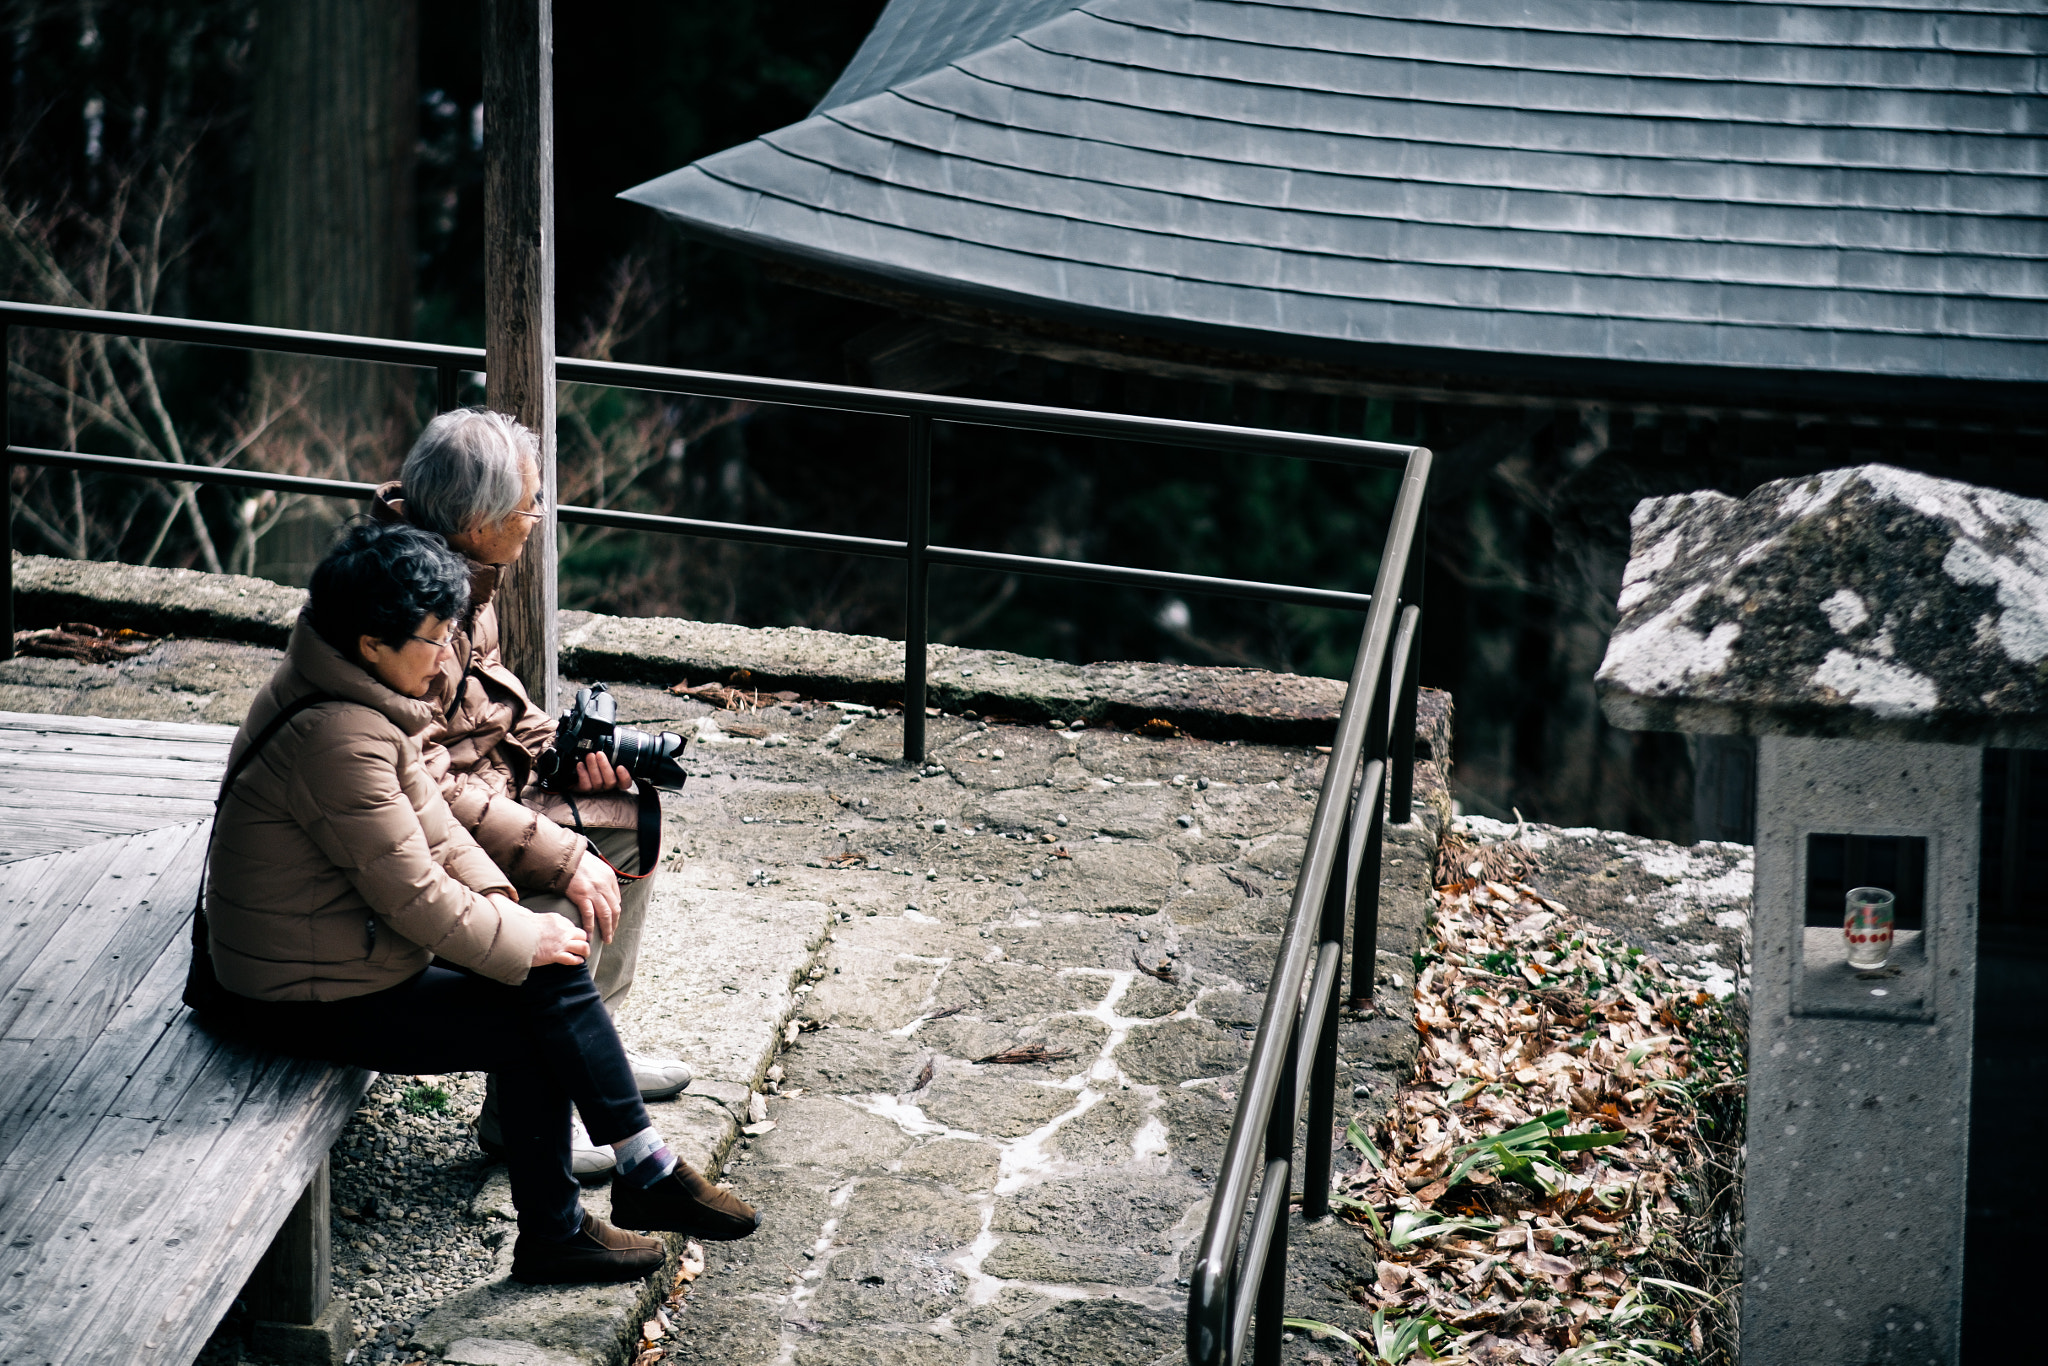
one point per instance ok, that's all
(317, 163)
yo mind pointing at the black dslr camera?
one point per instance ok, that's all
(591, 726)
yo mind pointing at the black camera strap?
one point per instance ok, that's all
(203, 990)
(648, 823)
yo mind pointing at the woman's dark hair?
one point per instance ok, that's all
(383, 580)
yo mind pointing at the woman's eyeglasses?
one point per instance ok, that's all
(446, 642)
(536, 511)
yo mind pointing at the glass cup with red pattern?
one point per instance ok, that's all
(1867, 927)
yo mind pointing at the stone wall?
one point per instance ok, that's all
(1214, 703)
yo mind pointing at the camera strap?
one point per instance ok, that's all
(648, 823)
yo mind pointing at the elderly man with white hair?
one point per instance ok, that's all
(473, 478)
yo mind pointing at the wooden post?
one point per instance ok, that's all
(290, 1297)
(519, 302)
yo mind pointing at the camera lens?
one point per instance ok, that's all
(648, 756)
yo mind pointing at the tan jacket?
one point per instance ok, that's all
(337, 868)
(483, 740)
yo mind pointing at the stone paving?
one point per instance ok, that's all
(1108, 897)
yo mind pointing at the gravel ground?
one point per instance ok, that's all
(404, 1238)
(405, 1172)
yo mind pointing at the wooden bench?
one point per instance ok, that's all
(149, 1172)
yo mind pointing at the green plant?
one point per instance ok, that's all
(1319, 1330)
(1412, 1226)
(1643, 1050)
(1372, 1215)
(1527, 1154)
(1394, 1340)
(1616, 1352)
(1357, 1138)
(423, 1100)
(1633, 1307)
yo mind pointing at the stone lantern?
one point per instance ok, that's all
(1876, 630)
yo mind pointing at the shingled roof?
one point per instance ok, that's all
(1817, 188)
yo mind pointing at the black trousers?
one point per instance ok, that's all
(549, 1040)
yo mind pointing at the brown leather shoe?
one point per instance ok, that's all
(598, 1252)
(683, 1202)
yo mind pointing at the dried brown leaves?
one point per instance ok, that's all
(82, 641)
(731, 698)
(1540, 1245)
(657, 1331)
(1029, 1053)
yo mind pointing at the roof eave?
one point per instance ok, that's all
(1645, 380)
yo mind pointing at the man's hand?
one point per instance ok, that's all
(561, 941)
(595, 773)
(595, 892)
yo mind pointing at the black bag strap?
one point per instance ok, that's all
(203, 991)
(264, 736)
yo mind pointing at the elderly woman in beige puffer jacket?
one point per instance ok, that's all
(337, 868)
(353, 919)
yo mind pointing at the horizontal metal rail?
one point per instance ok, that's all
(712, 384)
(726, 531)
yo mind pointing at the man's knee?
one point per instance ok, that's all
(618, 847)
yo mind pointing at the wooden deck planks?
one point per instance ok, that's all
(144, 1163)
(182, 1205)
(47, 723)
(71, 781)
(93, 950)
(32, 829)
(162, 751)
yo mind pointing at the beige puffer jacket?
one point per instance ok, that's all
(484, 738)
(337, 868)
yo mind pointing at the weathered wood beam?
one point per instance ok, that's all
(519, 301)
(290, 1295)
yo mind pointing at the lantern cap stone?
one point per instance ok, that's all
(1871, 603)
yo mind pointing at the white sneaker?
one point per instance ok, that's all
(586, 1159)
(658, 1078)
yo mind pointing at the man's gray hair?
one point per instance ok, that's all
(464, 471)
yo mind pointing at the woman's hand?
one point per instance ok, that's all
(594, 891)
(561, 941)
(595, 773)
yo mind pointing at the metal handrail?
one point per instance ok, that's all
(580, 515)
(713, 384)
(1291, 1028)
(1240, 1275)
(449, 363)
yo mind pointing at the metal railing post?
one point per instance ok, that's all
(1401, 807)
(1365, 909)
(917, 585)
(1271, 1308)
(6, 508)
(1322, 1077)
(1320, 1140)
(447, 389)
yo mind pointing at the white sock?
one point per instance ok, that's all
(644, 1149)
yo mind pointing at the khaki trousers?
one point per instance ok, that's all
(611, 965)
